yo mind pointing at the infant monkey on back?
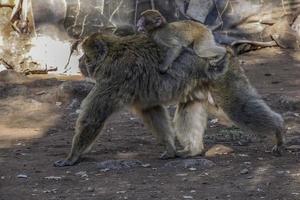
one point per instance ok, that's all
(178, 35)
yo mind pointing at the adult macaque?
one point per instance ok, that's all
(126, 75)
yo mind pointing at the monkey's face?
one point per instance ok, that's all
(95, 51)
(150, 20)
(94, 48)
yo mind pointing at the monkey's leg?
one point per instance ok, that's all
(190, 122)
(171, 55)
(158, 120)
(217, 111)
(96, 108)
(208, 48)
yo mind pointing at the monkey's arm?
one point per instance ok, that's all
(95, 109)
(171, 55)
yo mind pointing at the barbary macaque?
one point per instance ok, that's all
(126, 75)
(178, 35)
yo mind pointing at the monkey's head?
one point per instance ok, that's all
(95, 50)
(150, 20)
(95, 47)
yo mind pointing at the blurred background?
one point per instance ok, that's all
(36, 34)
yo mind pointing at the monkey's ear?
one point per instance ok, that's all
(159, 21)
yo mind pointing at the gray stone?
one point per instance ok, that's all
(244, 171)
(199, 9)
(294, 148)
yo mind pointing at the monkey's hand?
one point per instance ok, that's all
(277, 150)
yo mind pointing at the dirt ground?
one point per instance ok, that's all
(36, 128)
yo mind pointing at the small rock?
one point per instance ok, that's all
(90, 189)
(2, 177)
(191, 163)
(146, 165)
(192, 169)
(293, 141)
(121, 192)
(82, 174)
(58, 104)
(50, 191)
(41, 93)
(105, 170)
(181, 174)
(218, 150)
(56, 178)
(187, 197)
(244, 171)
(293, 148)
(119, 164)
(22, 176)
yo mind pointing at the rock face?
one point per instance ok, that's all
(199, 9)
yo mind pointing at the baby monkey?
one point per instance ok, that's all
(178, 35)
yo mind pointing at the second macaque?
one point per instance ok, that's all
(178, 35)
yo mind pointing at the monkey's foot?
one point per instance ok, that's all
(277, 150)
(64, 163)
(167, 155)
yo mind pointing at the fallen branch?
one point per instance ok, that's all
(6, 64)
(39, 71)
(6, 6)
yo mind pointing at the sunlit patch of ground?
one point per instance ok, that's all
(24, 119)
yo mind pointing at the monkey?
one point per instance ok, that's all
(178, 35)
(126, 76)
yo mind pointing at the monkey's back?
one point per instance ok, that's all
(188, 31)
(137, 58)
